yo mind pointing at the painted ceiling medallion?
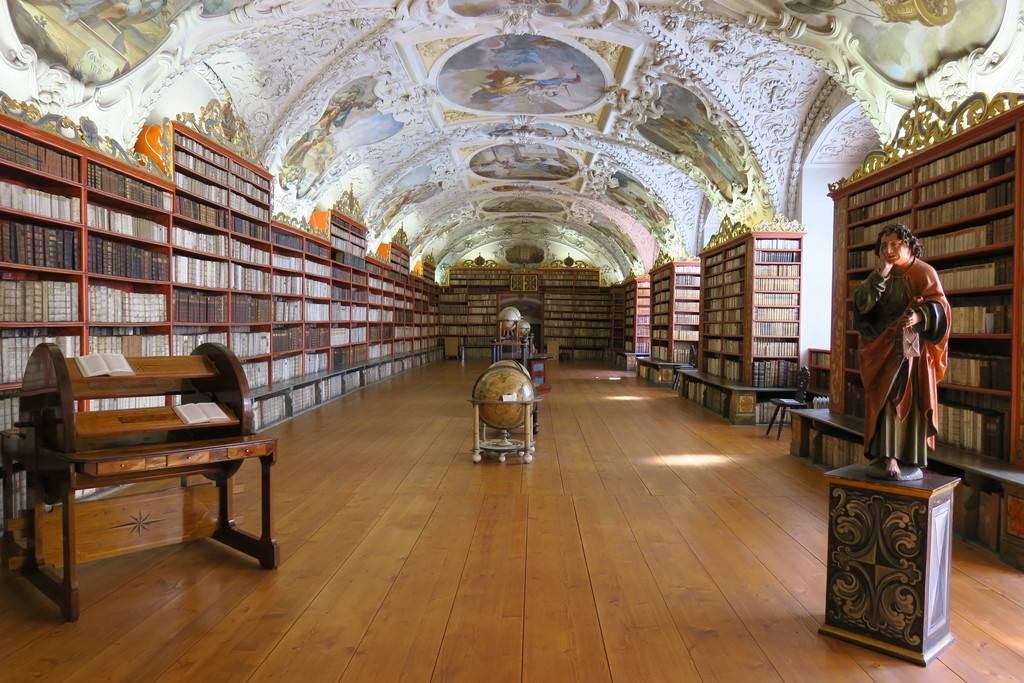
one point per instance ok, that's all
(684, 128)
(522, 205)
(521, 74)
(524, 162)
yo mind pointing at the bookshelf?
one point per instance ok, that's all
(577, 312)
(960, 198)
(637, 323)
(675, 311)
(100, 256)
(750, 324)
(820, 366)
(617, 294)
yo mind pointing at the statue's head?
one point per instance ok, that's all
(904, 235)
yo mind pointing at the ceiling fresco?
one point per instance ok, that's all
(617, 132)
(524, 162)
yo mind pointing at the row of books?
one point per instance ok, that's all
(989, 318)
(999, 231)
(768, 347)
(973, 429)
(993, 197)
(886, 206)
(984, 371)
(870, 194)
(978, 275)
(777, 256)
(720, 345)
(198, 211)
(36, 245)
(184, 160)
(241, 203)
(31, 200)
(104, 218)
(969, 178)
(16, 348)
(128, 341)
(967, 156)
(834, 452)
(196, 307)
(776, 329)
(112, 182)
(20, 150)
(120, 259)
(38, 301)
(775, 373)
(776, 313)
(111, 305)
(211, 193)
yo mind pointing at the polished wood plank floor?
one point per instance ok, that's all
(648, 541)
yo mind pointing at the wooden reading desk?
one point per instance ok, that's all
(65, 450)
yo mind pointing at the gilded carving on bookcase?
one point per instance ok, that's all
(927, 124)
(84, 133)
(348, 204)
(303, 225)
(430, 258)
(478, 262)
(780, 223)
(567, 262)
(400, 238)
(218, 122)
(663, 258)
(728, 230)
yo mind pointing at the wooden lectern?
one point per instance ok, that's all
(65, 450)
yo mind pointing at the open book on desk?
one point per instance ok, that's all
(96, 364)
(201, 413)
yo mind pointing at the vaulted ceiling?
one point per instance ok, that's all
(612, 131)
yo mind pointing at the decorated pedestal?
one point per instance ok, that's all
(889, 542)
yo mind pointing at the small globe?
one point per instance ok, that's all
(524, 329)
(504, 378)
(508, 318)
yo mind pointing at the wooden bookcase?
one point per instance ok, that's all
(100, 256)
(675, 312)
(961, 198)
(617, 293)
(636, 322)
(750, 325)
(577, 312)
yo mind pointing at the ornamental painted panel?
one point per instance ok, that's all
(521, 74)
(349, 120)
(413, 188)
(522, 205)
(524, 162)
(939, 30)
(629, 193)
(684, 128)
(99, 40)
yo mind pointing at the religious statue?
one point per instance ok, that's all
(902, 316)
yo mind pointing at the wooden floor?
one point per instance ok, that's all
(648, 541)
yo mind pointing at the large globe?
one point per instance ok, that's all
(504, 378)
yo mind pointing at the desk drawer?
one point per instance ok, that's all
(249, 451)
(194, 458)
(125, 465)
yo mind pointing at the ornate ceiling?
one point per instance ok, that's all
(614, 132)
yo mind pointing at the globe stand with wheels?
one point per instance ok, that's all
(503, 446)
(503, 399)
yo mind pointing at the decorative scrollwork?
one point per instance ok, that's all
(84, 133)
(927, 124)
(218, 122)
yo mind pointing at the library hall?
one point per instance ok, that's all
(532, 341)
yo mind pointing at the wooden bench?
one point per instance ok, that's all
(66, 450)
(735, 402)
